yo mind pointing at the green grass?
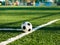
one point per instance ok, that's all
(50, 35)
(45, 36)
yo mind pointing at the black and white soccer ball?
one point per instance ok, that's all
(26, 26)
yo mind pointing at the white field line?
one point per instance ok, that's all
(11, 29)
(23, 34)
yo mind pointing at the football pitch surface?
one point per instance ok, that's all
(49, 35)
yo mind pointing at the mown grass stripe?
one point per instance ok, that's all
(23, 34)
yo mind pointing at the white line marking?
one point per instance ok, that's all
(11, 29)
(23, 34)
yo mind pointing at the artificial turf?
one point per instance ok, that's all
(49, 35)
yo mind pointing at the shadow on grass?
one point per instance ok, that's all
(51, 28)
(14, 31)
(6, 25)
(29, 8)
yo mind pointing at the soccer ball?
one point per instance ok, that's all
(26, 26)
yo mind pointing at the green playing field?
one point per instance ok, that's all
(49, 35)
